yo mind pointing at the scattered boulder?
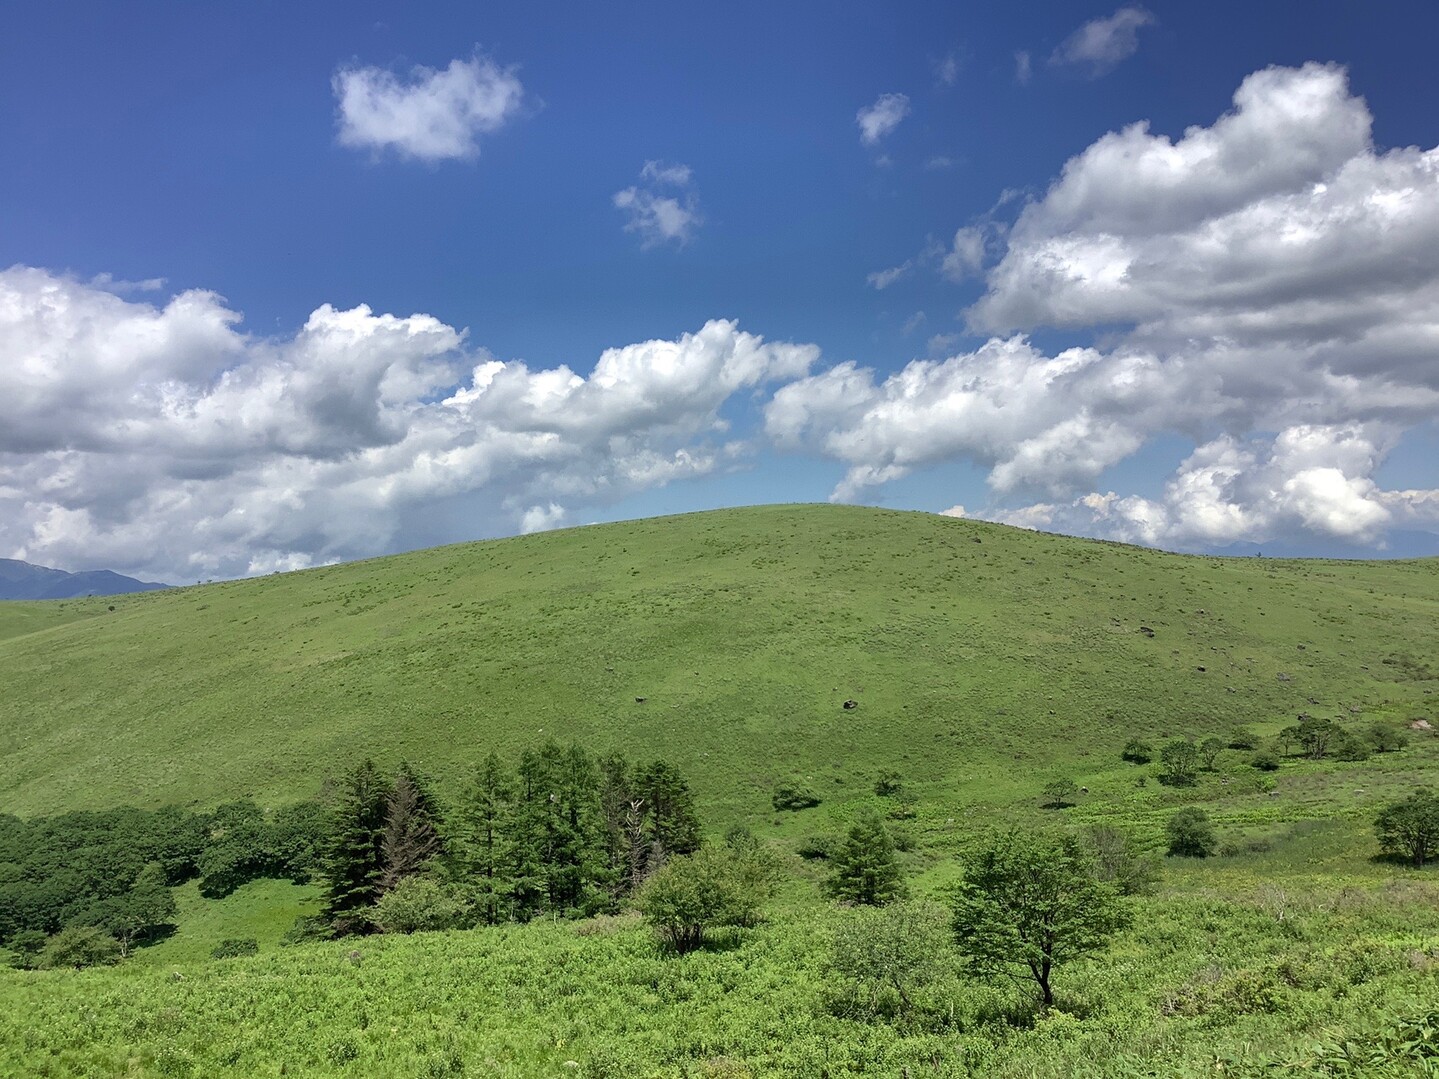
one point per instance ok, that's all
(1146, 631)
(641, 700)
(1420, 725)
(851, 705)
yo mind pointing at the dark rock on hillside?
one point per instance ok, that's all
(21, 580)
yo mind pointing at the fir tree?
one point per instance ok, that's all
(865, 869)
(354, 859)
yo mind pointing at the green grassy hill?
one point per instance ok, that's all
(980, 656)
(985, 661)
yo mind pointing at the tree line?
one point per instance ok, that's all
(561, 832)
(89, 886)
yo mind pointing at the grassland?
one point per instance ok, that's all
(984, 660)
(979, 655)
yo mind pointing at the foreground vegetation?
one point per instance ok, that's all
(885, 721)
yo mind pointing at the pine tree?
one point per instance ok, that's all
(354, 860)
(477, 842)
(865, 869)
(411, 837)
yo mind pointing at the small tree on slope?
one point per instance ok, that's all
(865, 869)
(1410, 829)
(1029, 903)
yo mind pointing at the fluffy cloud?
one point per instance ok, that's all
(431, 115)
(656, 217)
(164, 440)
(1100, 45)
(1272, 272)
(1308, 480)
(878, 120)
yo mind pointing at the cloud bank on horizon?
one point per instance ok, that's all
(1265, 287)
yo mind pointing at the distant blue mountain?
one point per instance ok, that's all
(21, 580)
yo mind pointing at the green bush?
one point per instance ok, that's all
(1243, 738)
(235, 947)
(78, 946)
(418, 904)
(889, 783)
(1266, 760)
(692, 894)
(1137, 751)
(793, 794)
(817, 848)
(1191, 835)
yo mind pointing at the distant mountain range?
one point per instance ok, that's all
(21, 580)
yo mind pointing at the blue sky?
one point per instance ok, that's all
(859, 238)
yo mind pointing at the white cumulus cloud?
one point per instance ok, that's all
(163, 440)
(1270, 272)
(878, 120)
(428, 115)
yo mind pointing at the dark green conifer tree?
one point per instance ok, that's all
(524, 837)
(354, 858)
(672, 826)
(864, 867)
(476, 845)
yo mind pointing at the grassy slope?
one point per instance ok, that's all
(980, 656)
(984, 659)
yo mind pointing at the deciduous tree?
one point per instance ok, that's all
(1409, 829)
(1030, 903)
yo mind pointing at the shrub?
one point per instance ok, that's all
(1383, 738)
(418, 904)
(1181, 760)
(1243, 738)
(1191, 835)
(1137, 752)
(889, 783)
(235, 947)
(1410, 829)
(1348, 746)
(817, 848)
(78, 946)
(1119, 861)
(899, 949)
(1060, 794)
(691, 894)
(1266, 760)
(794, 794)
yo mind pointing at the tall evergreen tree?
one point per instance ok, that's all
(354, 856)
(672, 826)
(524, 855)
(475, 858)
(411, 835)
(865, 869)
(575, 855)
(623, 820)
